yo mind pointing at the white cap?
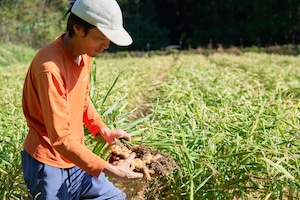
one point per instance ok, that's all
(106, 15)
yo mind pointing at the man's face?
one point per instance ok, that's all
(94, 42)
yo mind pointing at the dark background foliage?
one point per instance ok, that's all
(155, 24)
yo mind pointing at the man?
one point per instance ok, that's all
(55, 161)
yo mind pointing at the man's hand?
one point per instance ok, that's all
(111, 135)
(122, 170)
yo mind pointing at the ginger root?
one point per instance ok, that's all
(140, 164)
(148, 158)
(121, 151)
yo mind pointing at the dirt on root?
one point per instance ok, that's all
(139, 189)
(162, 166)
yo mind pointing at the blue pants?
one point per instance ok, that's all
(51, 183)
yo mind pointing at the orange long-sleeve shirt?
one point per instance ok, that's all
(56, 104)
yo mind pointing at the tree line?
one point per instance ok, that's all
(155, 24)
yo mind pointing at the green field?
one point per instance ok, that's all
(231, 122)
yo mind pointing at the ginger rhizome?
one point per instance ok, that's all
(144, 161)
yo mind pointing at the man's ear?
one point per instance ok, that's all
(78, 30)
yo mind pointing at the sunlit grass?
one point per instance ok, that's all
(230, 122)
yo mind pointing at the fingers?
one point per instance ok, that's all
(123, 134)
(125, 164)
(118, 134)
(136, 175)
(133, 175)
(111, 135)
(131, 157)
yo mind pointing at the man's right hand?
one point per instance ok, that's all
(122, 170)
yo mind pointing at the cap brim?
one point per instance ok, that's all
(119, 37)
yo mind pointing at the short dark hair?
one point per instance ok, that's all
(72, 20)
